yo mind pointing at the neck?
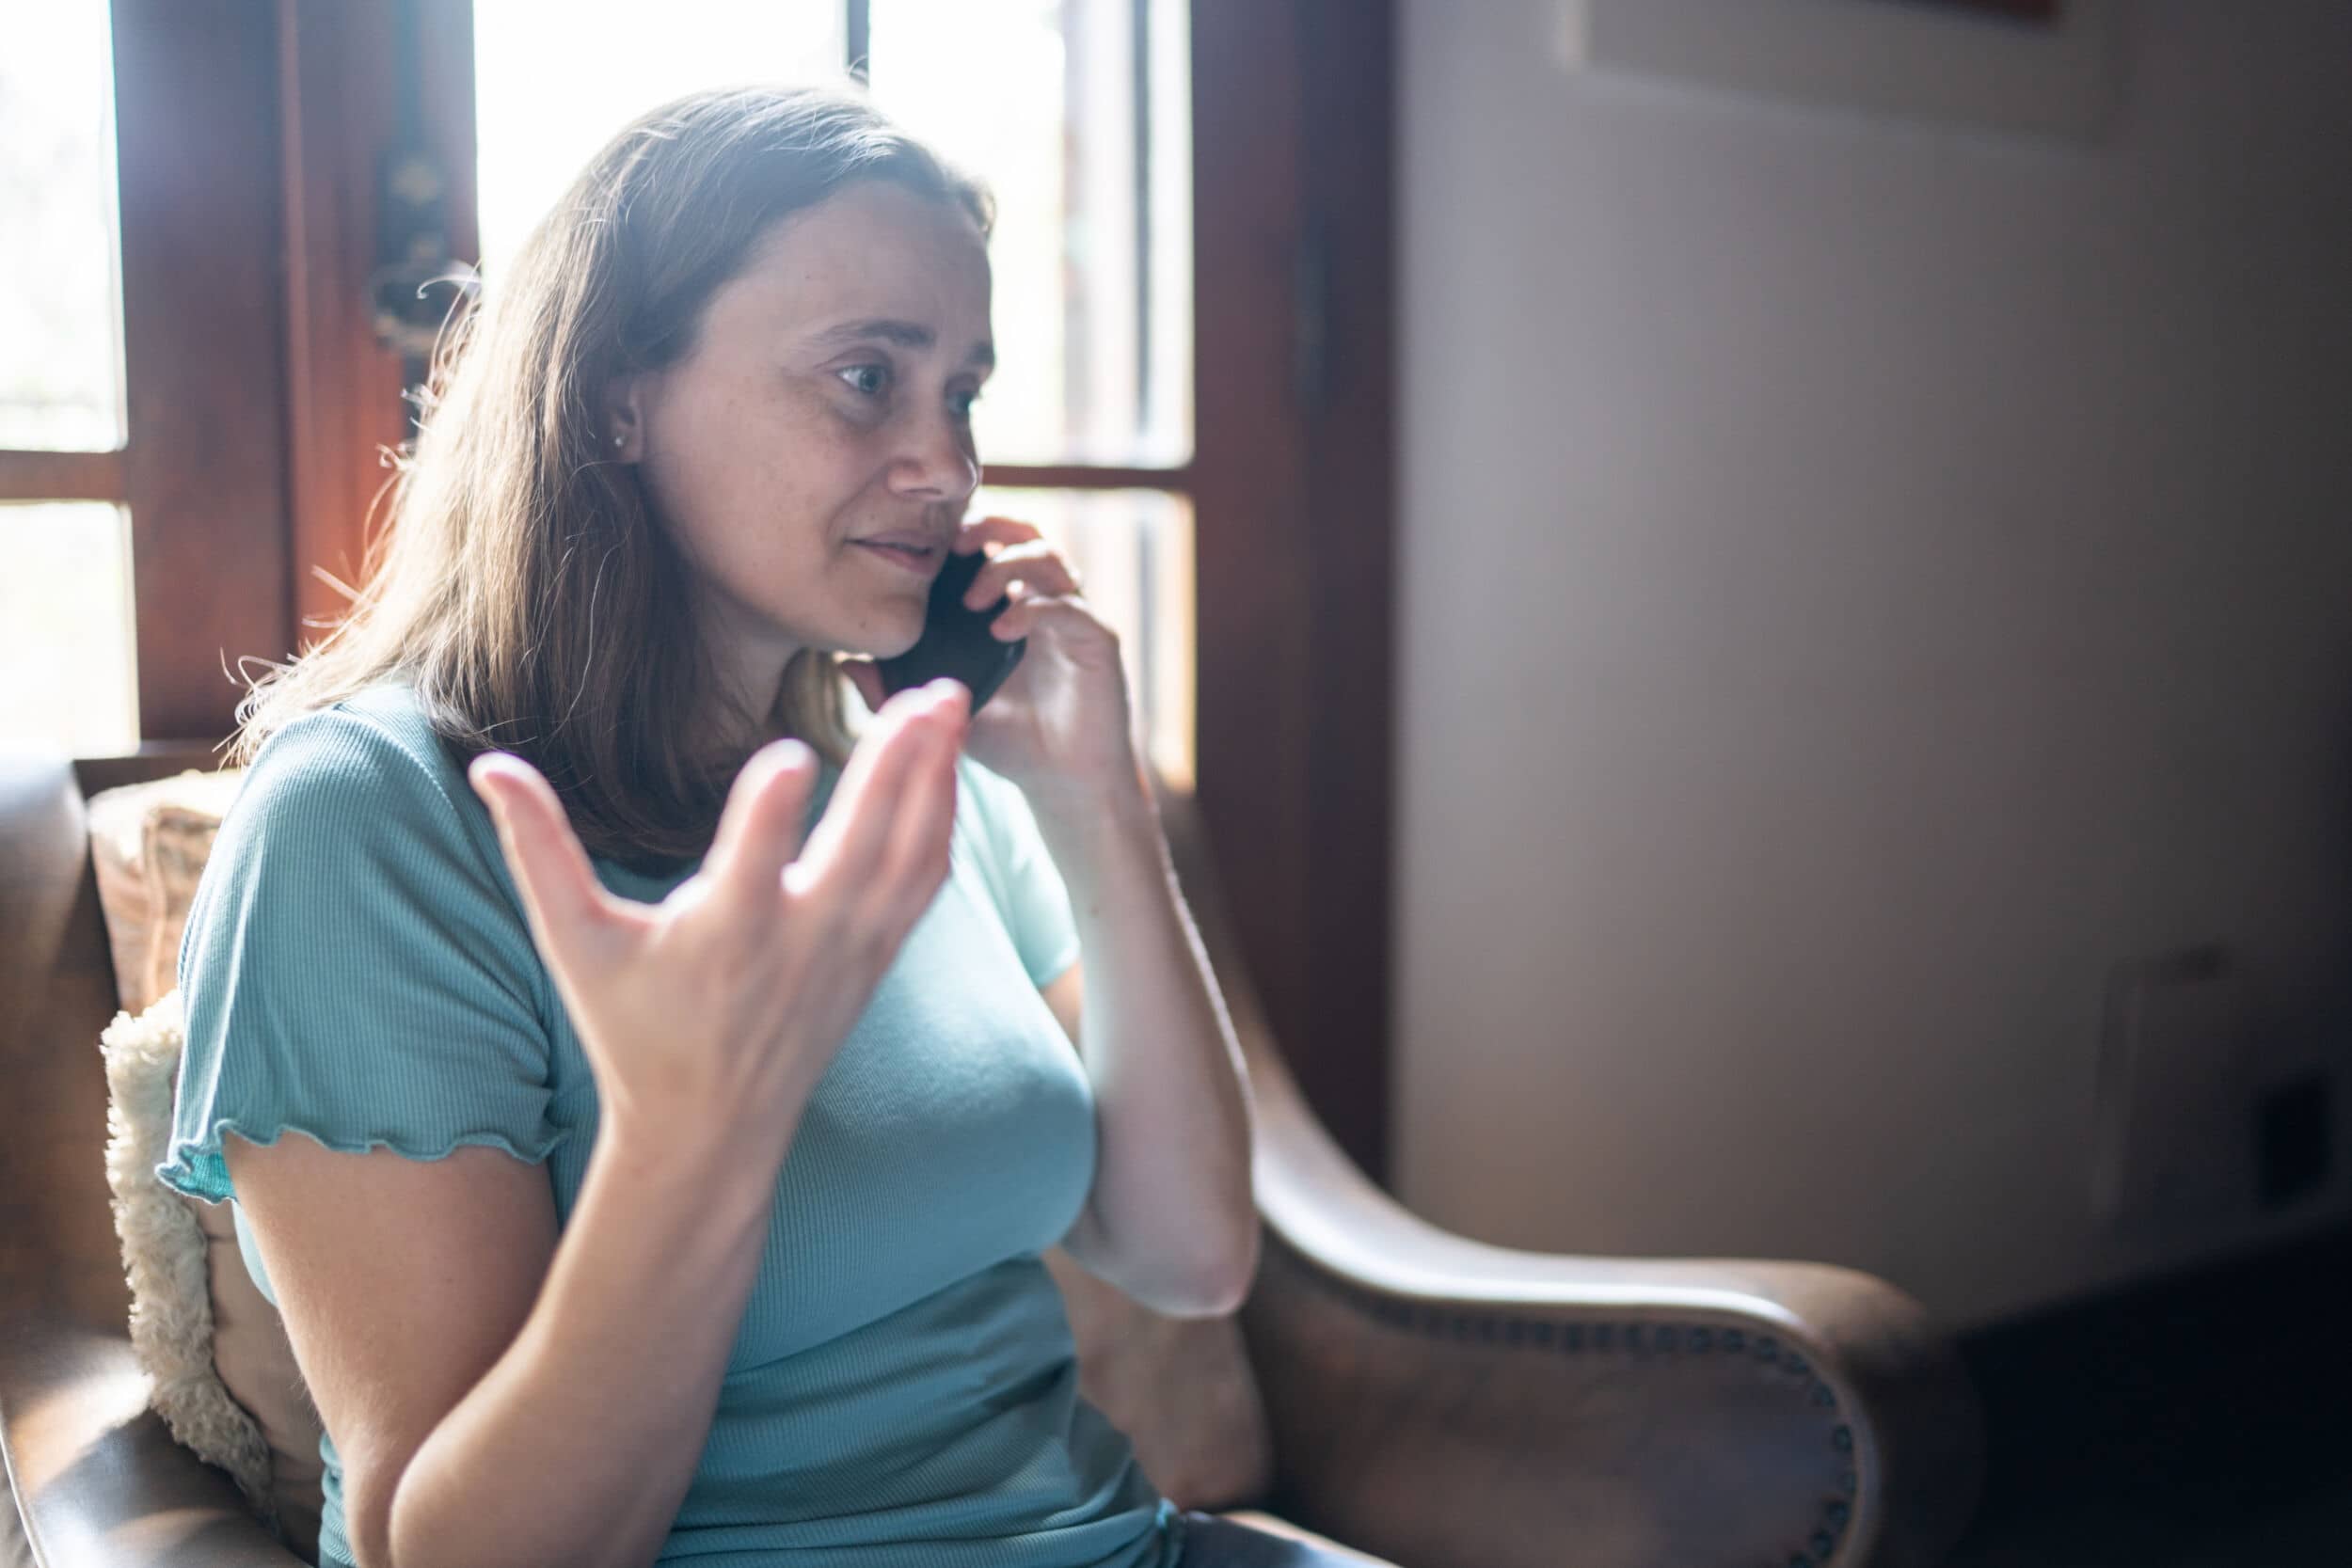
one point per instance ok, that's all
(750, 664)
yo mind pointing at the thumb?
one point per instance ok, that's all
(571, 915)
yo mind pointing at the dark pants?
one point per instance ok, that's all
(1214, 1542)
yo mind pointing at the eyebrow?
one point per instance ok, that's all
(904, 334)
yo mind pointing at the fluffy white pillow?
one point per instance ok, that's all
(170, 1257)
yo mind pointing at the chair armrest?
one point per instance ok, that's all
(97, 1480)
(94, 1480)
(1441, 1401)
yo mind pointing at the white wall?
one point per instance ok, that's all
(1859, 580)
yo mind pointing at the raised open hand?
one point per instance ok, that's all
(722, 1004)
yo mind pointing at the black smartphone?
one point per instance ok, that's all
(956, 642)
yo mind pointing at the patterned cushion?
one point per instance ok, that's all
(147, 844)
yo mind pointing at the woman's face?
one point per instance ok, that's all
(812, 454)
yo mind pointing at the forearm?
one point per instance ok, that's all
(578, 1444)
(1172, 1196)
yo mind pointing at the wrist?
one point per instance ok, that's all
(1117, 787)
(729, 1151)
(1106, 839)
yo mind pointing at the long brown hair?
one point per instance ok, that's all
(523, 586)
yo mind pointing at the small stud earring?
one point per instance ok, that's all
(618, 439)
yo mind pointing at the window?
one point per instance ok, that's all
(1076, 114)
(612, 65)
(65, 625)
(194, 401)
(142, 405)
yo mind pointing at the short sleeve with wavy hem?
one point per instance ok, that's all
(356, 965)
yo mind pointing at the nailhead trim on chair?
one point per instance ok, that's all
(1451, 1322)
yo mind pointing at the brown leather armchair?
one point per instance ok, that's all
(1442, 1402)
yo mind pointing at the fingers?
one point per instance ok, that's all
(848, 843)
(572, 916)
(1073, 616)
(978, 532)
(914, 861)
(760, 827)
(1036, 564)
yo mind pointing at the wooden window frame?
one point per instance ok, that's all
(260, 404)
(1293, 482)
(202, 464)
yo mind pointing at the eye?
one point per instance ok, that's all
(961, 402)
(867, 380)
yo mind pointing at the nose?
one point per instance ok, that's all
(935, 462)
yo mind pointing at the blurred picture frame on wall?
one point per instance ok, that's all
(2041, 68)
(2035, 13)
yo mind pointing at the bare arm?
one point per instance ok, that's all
(499, 1395)
(1172, 1220)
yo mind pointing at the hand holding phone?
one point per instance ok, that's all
(956, 642)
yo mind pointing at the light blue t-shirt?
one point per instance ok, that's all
(902, 1388)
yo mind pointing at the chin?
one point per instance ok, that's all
(887, 641)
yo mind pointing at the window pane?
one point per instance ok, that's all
(1132, 550)
(60, 297)
(66, 629)
(1077, 115)
(554, 79)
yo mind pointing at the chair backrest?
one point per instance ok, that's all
(94, 1476)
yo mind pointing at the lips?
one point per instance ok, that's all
(914, 552)
(909, 538)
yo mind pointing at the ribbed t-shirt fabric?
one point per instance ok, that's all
(902, 1388)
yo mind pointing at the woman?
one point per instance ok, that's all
(675, 1173)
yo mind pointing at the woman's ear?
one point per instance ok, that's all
(623, 431)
